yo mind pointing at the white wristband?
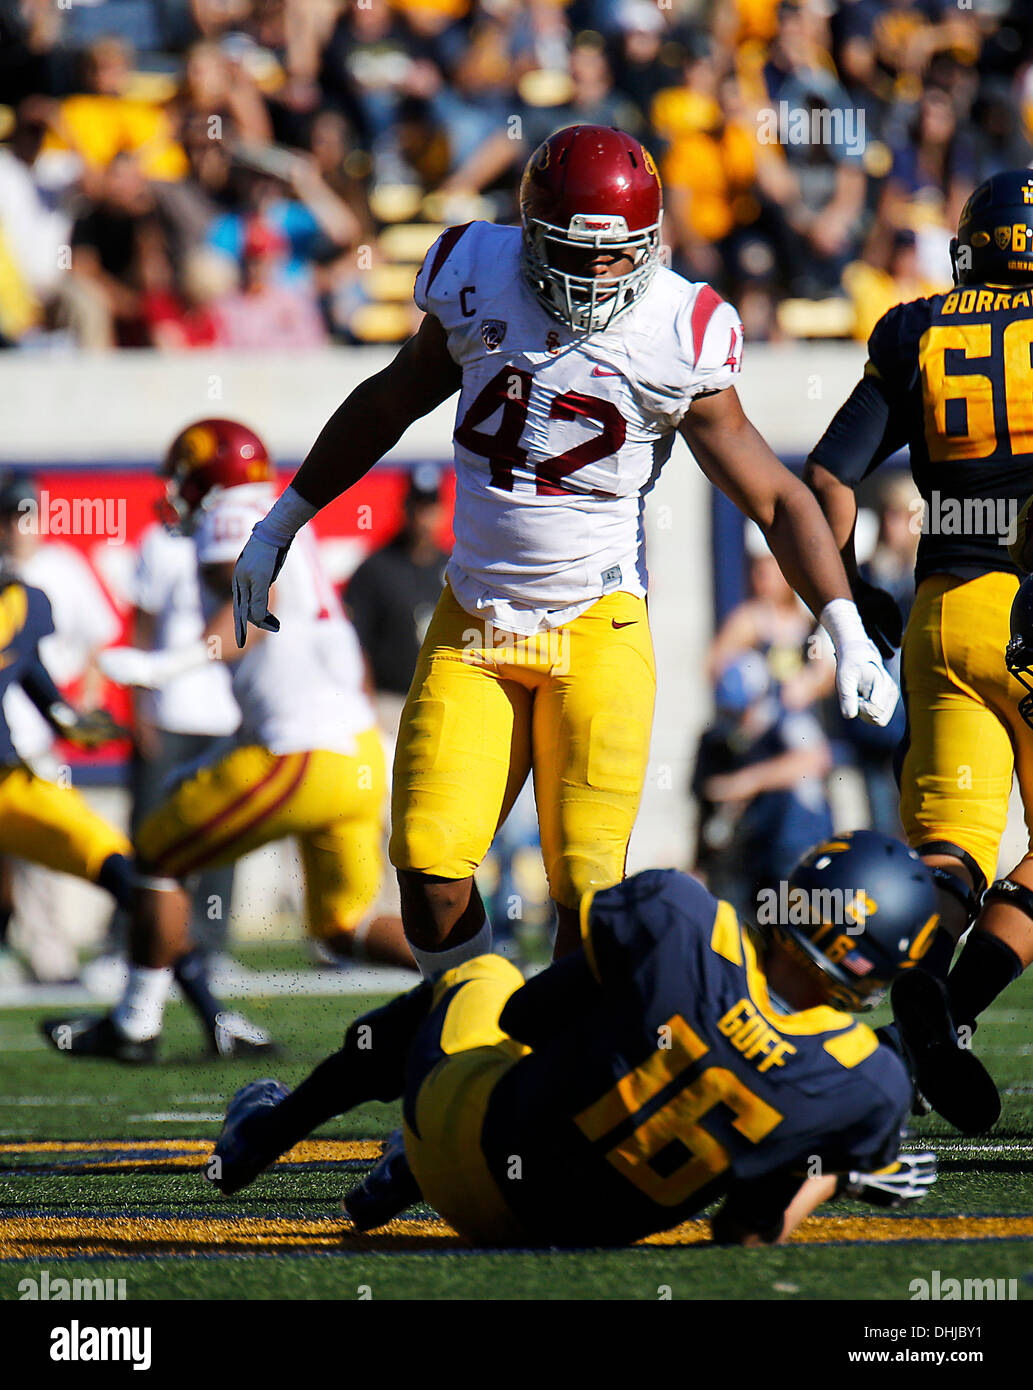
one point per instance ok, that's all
(284, 520)
(842, 622)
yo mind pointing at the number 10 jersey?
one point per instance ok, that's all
(559, 433)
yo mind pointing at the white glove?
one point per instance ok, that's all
(150, 670)
(909, 1179)
(864, 685)
(261, 560)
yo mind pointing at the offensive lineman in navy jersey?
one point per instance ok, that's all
(675, 1059)
(950, 376)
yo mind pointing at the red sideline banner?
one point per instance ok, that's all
(103, 512)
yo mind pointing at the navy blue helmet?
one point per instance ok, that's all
(994, 244)
(1018, 655)
(862, 907)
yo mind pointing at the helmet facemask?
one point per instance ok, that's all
(588, 303)
(858, 994)
(1018, 657)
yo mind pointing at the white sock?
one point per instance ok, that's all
(139, 1012)
(435, 963)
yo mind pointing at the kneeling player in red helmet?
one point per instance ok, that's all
(307, 762)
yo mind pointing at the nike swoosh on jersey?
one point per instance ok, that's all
(598, 371)
(629, 623)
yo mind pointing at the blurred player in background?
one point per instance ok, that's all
(183, 720)
(308, 763)
(42, 821)
(84, 623)
(676, 1058)
(578, 357)
(950, 376)
(392, 595)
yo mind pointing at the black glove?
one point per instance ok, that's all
(91, 729)
(882, 618)
(907, 1180)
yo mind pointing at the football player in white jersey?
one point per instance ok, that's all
(577, 357)
(307, 762)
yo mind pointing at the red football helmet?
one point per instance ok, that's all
(211, 455)
(589, 187)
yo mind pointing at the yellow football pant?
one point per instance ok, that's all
(965, 733)
(472, 1055)
(329, 802)
(54, 826)
(486, 706)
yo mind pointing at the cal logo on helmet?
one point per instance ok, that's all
(994, 244)
(885, 921)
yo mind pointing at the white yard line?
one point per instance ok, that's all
(175, 1117)
(269, 983)
(48, 1100)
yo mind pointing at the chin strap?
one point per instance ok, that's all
(955, 273)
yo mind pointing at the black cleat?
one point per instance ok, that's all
(387, 1190)
(950, 1077)
(889, 1035)
(97, 1036)
(237, 1159)
(235, 1036)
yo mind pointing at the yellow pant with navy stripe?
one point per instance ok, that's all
(54, 826)
(965, 734)
(486, 706)
(331, 803)
(458, 1057)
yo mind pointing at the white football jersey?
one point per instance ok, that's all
(165, 586)
(559, 433)
(301, 687)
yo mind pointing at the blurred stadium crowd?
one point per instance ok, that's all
(268, 173)
(778, 767)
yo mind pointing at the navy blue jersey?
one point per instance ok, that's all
(25, 619)
(675, 1079)
(951, 377)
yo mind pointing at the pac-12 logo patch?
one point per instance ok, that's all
(492, 332)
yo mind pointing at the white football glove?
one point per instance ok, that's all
(257, 566)
(909, 1179)
(864, 685)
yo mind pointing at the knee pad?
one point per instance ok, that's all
(969, 898)
(1007, 890)
(426, 844)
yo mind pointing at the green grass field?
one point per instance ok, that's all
(101, 1179)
